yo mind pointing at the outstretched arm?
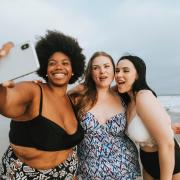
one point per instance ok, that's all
(14, 98)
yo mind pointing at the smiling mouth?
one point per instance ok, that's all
(103, 78)
(120, 82)
(59, 75)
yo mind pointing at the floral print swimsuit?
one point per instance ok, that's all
(106, 152)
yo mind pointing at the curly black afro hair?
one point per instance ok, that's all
(55, 41)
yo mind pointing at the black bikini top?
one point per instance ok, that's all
(43, 134)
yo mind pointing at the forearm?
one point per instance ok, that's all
(166, 160)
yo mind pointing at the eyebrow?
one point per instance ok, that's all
(52, 59)
(124, 67)
(101, 64)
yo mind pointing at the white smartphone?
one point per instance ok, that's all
(20, 61)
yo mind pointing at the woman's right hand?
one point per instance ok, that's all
(5, 49)
(176, 128)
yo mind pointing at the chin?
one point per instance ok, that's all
(121, 91)
(60, 83)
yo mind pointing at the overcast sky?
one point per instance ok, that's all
(146, 28)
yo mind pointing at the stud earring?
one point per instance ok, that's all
(72, 74)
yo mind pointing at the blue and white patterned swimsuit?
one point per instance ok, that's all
(106, 152)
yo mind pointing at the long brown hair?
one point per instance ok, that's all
(87, 97)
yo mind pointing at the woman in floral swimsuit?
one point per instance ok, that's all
(106, 152)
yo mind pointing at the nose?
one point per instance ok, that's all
(119, 74)
(59, 65)
(102, 70)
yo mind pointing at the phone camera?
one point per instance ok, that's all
(24, 46)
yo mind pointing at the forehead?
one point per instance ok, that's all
(100, 60)
(59, 56)
(125, 63)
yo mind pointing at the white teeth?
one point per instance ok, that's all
(59, 75)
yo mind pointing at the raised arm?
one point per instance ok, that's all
(158, 123)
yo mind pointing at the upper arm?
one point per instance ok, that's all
(17, 99)
(153, 116)
(75, 93)
(76, 89)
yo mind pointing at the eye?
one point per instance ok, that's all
(117, 70)
(66, 63)
(52, 63)
(94, 68)
(106, 66)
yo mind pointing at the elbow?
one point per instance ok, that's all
(168, 144)
(171, 144)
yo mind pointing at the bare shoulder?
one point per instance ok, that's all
(146, 98)
(27, 85)
(144, 94)
(26, 88)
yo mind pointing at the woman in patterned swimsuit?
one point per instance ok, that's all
(106, 152)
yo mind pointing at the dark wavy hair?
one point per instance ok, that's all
(55, 41)
(88, 96)
(141, 82)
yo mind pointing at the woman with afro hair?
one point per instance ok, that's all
(44, 129)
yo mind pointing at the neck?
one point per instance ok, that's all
(58, 90)
(131, 95)
(103, 92)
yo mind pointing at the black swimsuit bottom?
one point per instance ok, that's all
(150, 161)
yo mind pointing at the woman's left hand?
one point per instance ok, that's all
(38, 81)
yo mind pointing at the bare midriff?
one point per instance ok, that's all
(39, 159)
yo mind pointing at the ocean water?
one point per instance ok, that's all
(171, 103)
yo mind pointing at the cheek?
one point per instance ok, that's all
(49, 69)
(69, 69)
(94, 75)
(115, 76)
(130, 83)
